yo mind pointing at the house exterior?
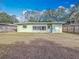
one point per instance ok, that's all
(7, 27)
(42, 27)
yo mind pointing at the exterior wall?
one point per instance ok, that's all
(57, 28)
(29, 28)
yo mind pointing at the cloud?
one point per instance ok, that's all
(61, 7)
(26, 11)
(19, 18)
(67, 10)
(72, 5)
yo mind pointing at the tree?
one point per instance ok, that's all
(74, 15)
(14, 20)
(32, 19)
(50, 15)
(5, 18)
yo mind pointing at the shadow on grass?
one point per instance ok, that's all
(37, 49)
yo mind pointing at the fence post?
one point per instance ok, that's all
(74, 29)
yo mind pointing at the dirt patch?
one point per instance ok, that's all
(38, 49)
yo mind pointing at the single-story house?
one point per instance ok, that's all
(5, 27)
(42, 27)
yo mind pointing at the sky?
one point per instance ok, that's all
(17, 6)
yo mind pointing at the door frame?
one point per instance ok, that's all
(49, 26)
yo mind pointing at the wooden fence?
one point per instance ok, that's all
(7, 28)
(71, 28)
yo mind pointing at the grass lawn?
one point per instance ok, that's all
(39, 46)
(71, 40)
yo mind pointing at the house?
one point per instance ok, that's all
(7, 27)
(42, 27)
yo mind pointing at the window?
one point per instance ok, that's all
(49, 27)
(24, 26)
(39, 27)
(43, 27)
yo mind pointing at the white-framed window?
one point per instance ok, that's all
(39, 28)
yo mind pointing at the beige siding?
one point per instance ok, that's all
(29, 28)
(57, 28)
